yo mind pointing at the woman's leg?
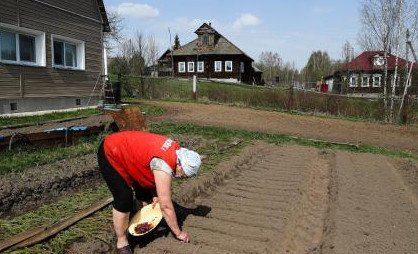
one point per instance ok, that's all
(122, 198)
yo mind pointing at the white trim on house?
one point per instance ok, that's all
(353, 80)
(200, 66)
(190, 66)
(218, 66)
(365, 77)
(80, 62)
(377, 80)
(39, 48)
(228, 66)
(182, 67)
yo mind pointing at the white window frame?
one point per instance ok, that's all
(218, 66)
(200, 66)
(182, 67)
(355, 77)
(377, 77)
(226, 66)
(190, 66)
(80, 52)
(40, 48)
(365, 76)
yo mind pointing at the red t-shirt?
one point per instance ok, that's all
(130, 153)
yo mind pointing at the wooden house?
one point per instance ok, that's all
(210, 56)
(364, 75)
(51, 53)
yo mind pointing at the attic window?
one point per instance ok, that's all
(205, 39)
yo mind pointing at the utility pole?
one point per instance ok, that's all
(171, 52)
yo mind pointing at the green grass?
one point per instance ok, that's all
(18, 160)
(36, 119)
(51, 213)
(255, 96)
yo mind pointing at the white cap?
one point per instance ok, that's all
(189, 160)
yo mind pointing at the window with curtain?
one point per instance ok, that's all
(66, 54)
(24, 51)
(22, 46)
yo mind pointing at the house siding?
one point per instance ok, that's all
(26, 81)
(209, 70)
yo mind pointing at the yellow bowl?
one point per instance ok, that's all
(147, 214)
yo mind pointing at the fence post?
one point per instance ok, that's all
(194, 87)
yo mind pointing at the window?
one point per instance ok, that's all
(67, 53)
(377, 79)
(200, 66)
(228, 66)
(353, 80)
(190, 66)
(242, 67)
(22, 46)
(205, 39)
(365, 80)
(218, 66)
(182, 67)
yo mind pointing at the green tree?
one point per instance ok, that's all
(318, 66)
(176, 42)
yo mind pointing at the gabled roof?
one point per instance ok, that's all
(364, 62)
(222, 47)
(164, 55)
(103, 14)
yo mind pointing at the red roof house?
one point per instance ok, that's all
(364, 74)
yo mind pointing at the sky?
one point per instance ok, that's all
(291, 28)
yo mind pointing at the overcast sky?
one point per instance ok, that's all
(292, 28)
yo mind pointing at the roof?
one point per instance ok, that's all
(164, 55)
(222, 47)
(364, 62)
(103, 14)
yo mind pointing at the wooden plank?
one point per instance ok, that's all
(57, 227)
(9, 242)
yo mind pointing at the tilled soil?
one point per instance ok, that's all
(276, 199)
(292, 199)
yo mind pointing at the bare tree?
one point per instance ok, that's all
(153, 52)
(115, 36)
(270, 63)
(347, 52)
(384, 25)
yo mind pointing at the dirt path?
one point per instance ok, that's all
(388, 136)
(294, 199)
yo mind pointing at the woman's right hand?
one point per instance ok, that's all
(183, 236)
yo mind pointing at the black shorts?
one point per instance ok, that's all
(123, 195)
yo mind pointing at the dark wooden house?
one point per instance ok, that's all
(51, 53)
(364, 75)
(210, 56)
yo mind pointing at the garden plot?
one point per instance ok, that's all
(291, 199)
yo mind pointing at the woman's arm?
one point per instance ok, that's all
(163, 187)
